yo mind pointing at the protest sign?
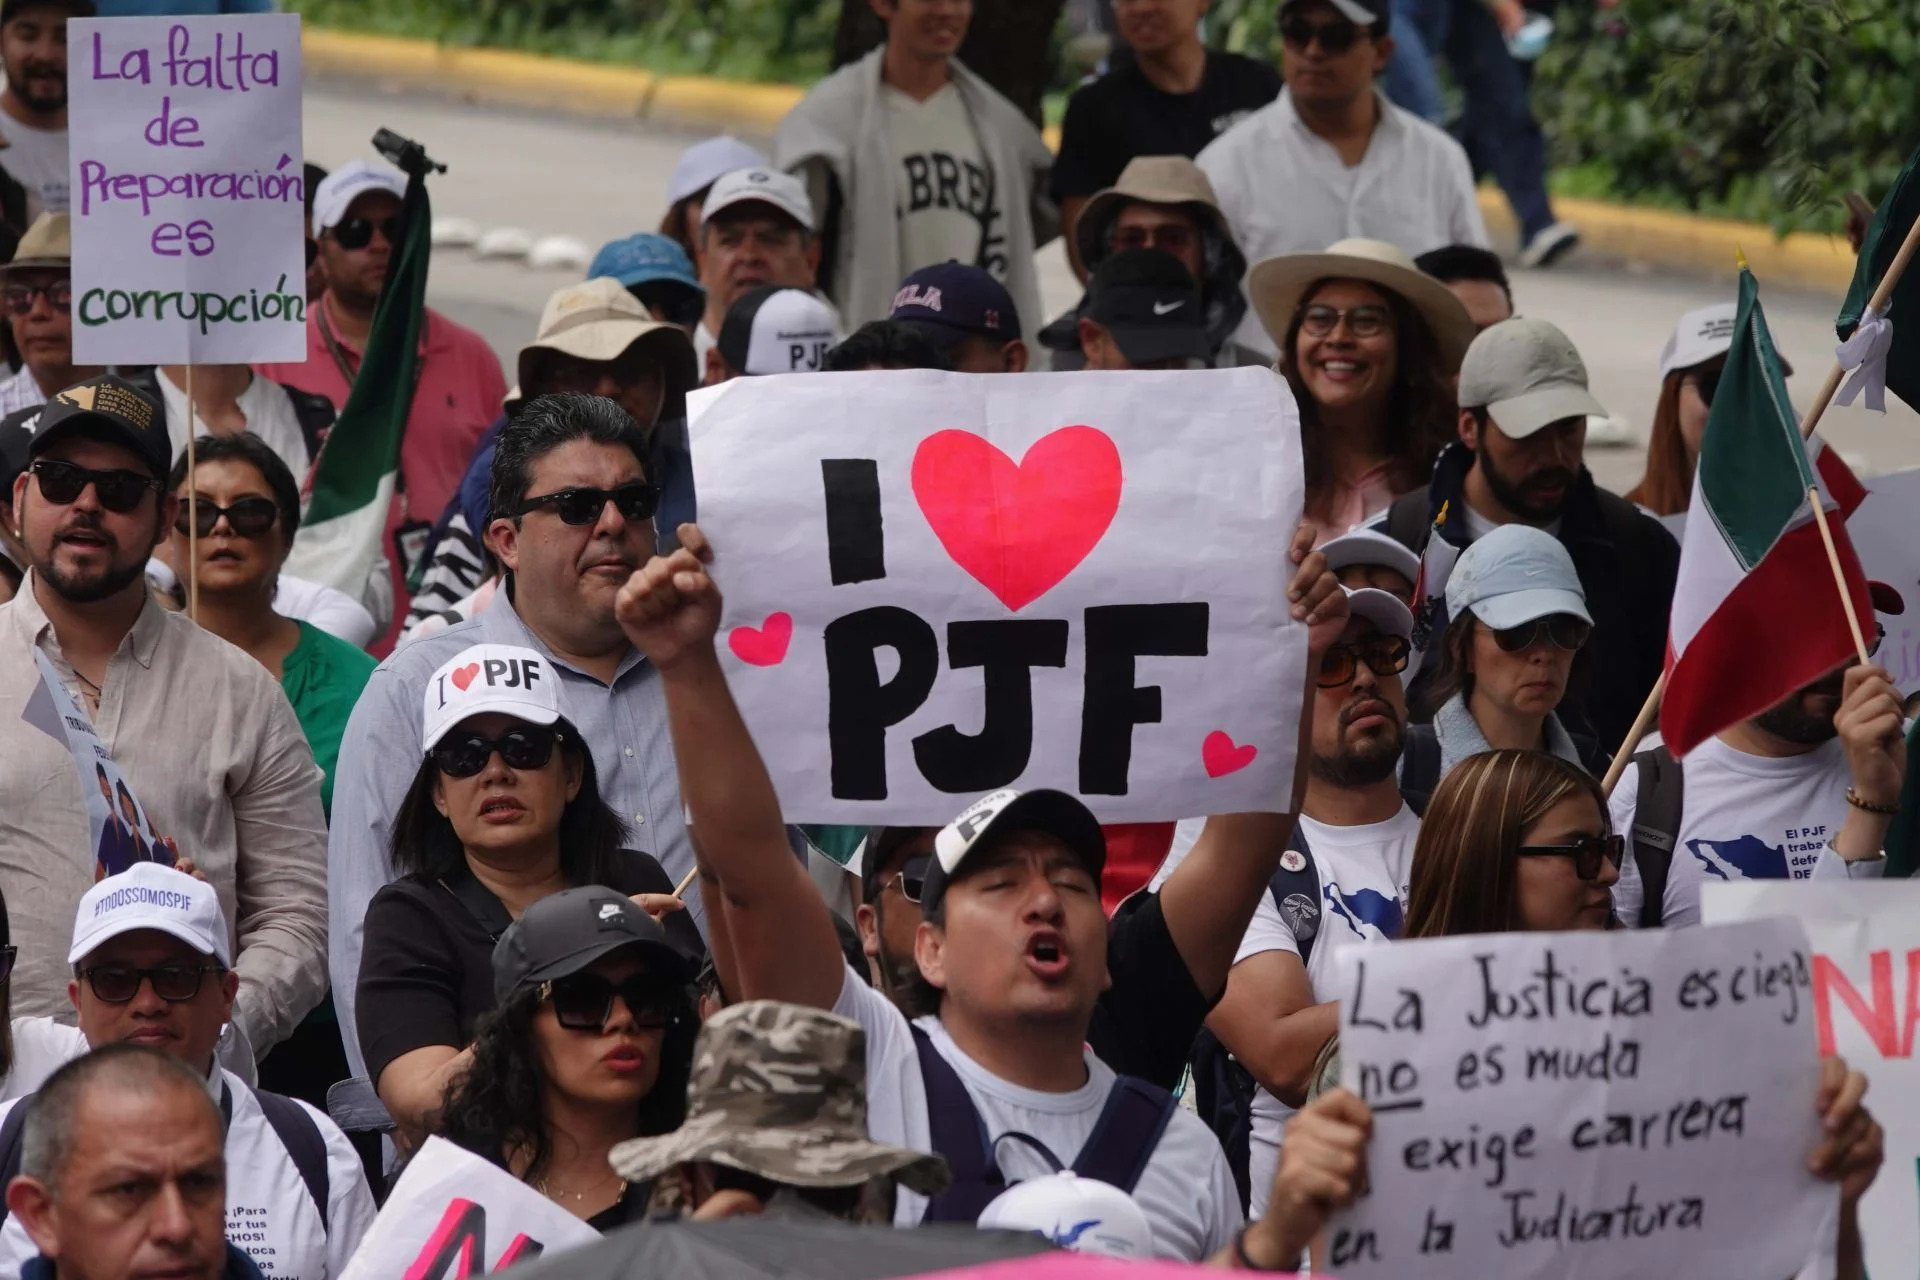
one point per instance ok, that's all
(1590, 1105)
(119, 831)
(1882, 533)
(452, 1214)
(1866, 1000)
(189, 190)
(940, 584)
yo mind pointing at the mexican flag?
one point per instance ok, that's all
(1888, 230)
(341, 534)
(1756, 613)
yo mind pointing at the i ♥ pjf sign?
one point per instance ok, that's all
(942, 584)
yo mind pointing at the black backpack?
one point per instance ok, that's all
(1657, 810)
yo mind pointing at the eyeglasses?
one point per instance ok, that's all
(1335, 37)
(635, 502)
(1705, 382)
(1587, 853)
(248, 518)
(463, 755)
(357, 233)
(1319, 320)
(62, 483)
(174, 983)
(584, 1001)
(1384, 656)
(59, 296)
(1168, 237)
(1563, 629)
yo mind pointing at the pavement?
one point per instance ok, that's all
(597, 177)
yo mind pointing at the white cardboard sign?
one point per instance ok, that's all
(1585, 1106)
(1882, 534)
(938, 585)
(1866, 1001)
(188, 190)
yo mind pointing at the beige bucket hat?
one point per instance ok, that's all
(598, 320)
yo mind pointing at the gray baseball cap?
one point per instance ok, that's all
(1514, 574)
(1527, 375)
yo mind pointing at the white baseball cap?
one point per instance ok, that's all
(1371, 547)
(337, 192)
(505, 678)
(768, 186)
(1084, 1215)
(776, 330)
(703, 163)
(150, 895)
(1513, 574)
(1382, 608)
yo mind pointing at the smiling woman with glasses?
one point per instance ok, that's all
(504, 811)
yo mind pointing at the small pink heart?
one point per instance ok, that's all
(464, 676)
(763, 646)
(1221, 756)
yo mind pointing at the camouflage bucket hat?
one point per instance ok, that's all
(780, 1091)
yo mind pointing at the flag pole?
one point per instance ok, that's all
(193, 513)
(1641, 723)
(1882, 295)
(1839, 576)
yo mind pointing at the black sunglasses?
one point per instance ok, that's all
(584, 1001)
(1335, 37)
(1706, 382)
(119, 491)
(174, 983)
(357, 233)
(1587, 853)
(1384, 656)
(248, 518)
(1563, 629)
(635, 502)
(464, 754)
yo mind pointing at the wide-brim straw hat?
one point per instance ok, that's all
(1277, 287)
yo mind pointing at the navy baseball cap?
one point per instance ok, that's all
(952, 301)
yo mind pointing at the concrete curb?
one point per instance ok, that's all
(1673, 241)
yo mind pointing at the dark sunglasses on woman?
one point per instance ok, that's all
(250, 517)
(1587, 853)
(584, 1001)
(357, 233)
(462, 755)
(1563, 629)
(62, 483)
(1384, 656)
(635, 502)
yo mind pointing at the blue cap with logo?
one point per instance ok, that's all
(643, 259)
(951, 301)
(1515, 574)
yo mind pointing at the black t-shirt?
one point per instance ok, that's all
(1121, 115)
(1146, 1020)
(426, 964)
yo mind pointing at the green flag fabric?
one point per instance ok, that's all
(1888, 230)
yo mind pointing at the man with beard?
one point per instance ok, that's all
(1805, 789)
(1524, 406)
(202, 731)
(1342, 882)
(33, 48)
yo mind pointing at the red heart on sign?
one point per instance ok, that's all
(764, 646)
(1018, 529)
(1221, 756)
(464, 676)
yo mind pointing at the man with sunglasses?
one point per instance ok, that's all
(200, 729)
(152, 967)
(1332, 159)
(38, 288)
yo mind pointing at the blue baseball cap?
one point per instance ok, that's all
(1514, 574)
(643, 259)
(952, 301)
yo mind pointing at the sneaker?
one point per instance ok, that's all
(1550, 245)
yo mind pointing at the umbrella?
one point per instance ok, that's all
(746, 1248)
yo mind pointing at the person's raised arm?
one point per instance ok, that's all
(783, 941)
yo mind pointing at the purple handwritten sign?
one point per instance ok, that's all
(188, 192)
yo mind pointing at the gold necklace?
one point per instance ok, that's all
(576, 1196)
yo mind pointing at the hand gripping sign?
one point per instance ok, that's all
(939, 584)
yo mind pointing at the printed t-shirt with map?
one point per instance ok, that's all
(1186, 1190)
(1363, 892)
(1743, 817)
(944, 201)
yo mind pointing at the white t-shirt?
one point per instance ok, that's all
(942, 188)
(270, 1215)
(1363, 875)
(264, 404)
(1186, 1191)
(41, 1047)
(37, 159)
(1743, 817)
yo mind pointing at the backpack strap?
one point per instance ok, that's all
(1419, 766)
(1296, 892)
(1657, 811)
(1126, 1134)
(300, 1134)
(478, 900)
(12, 1136)
(1410, 521)
(956, 1131)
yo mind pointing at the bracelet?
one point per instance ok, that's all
(1243, 1261)
(1868, 806)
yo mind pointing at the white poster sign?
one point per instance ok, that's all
(942, 584)
(1866, 1001)
(188, 190)
(1882, 534)
(1585, 1106)
(452, 1214)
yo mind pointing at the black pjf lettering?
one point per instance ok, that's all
(496, 669)
(860, 706)
(856, 542)
(529, 672)
(1116, 636)
(1006, 650)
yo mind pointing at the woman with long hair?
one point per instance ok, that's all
(591, 1045)
(1370, 346)
(504, 811)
